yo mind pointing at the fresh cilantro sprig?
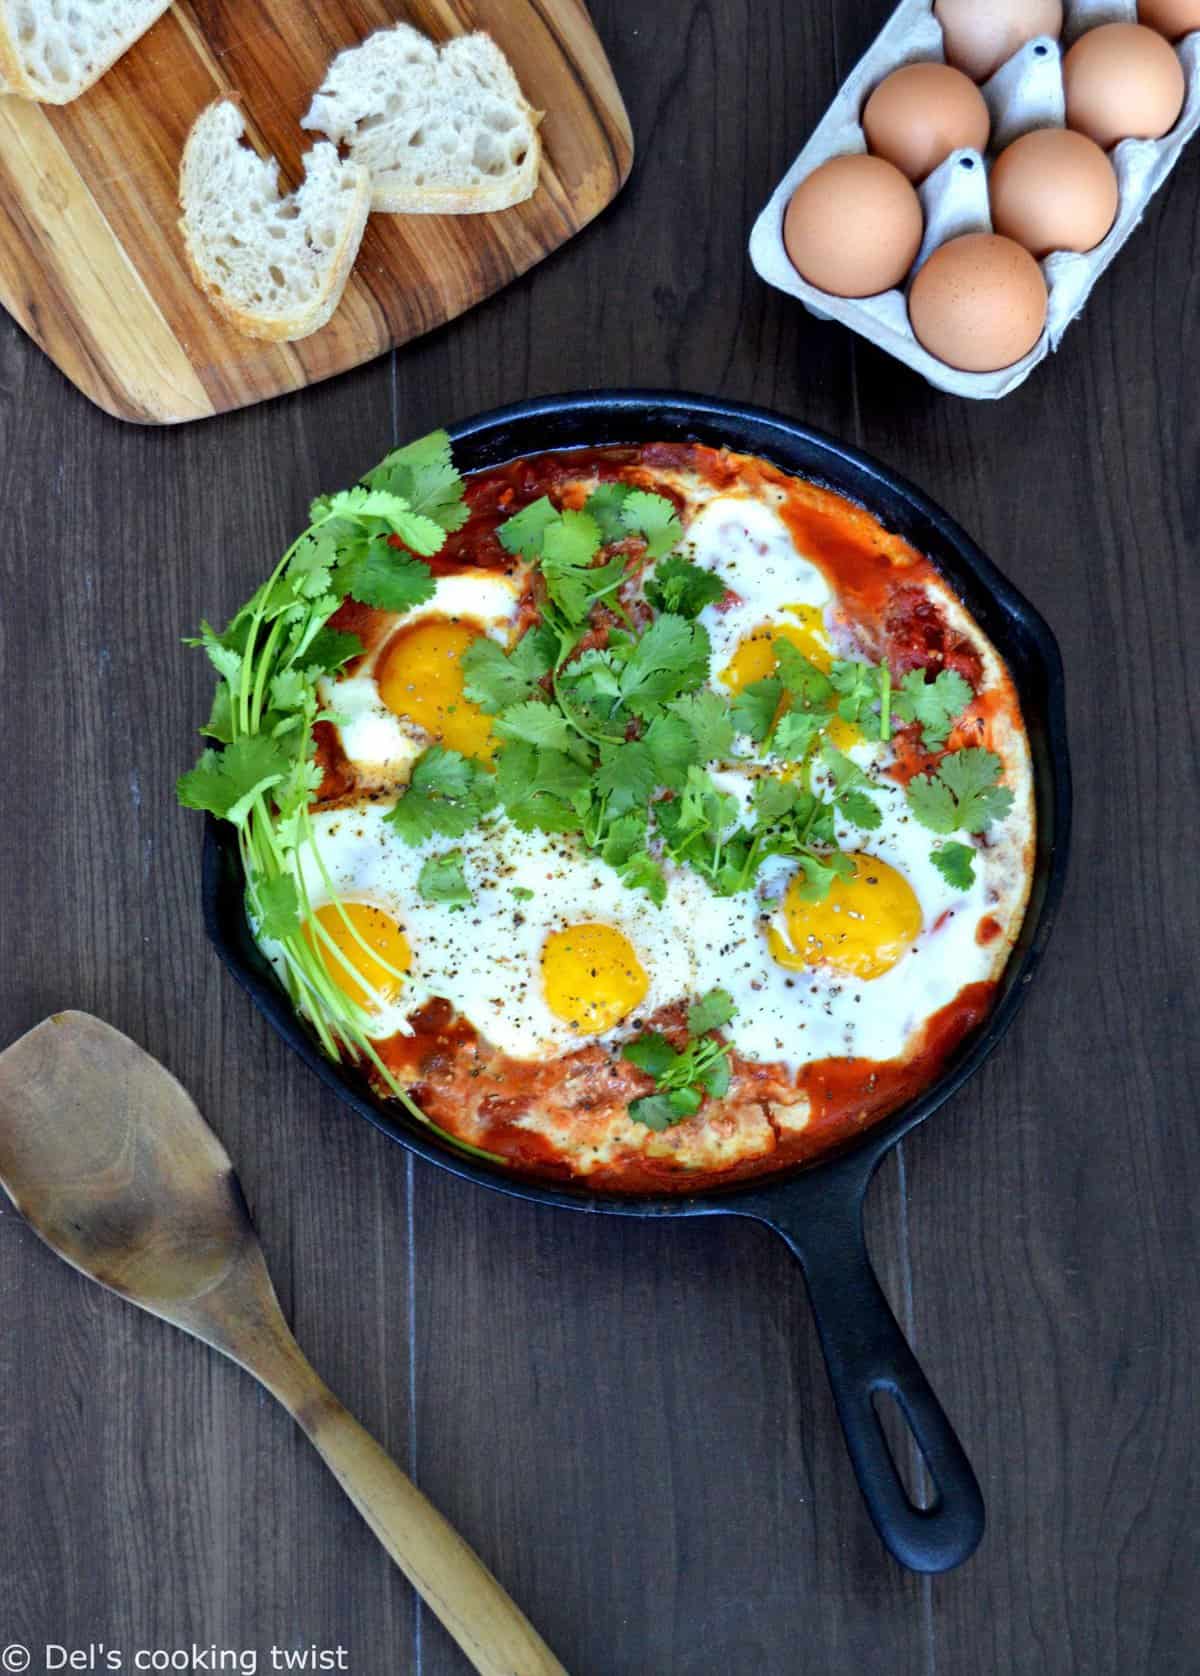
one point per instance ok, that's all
(937, 705)
(956, 864)
(683, 1077)
(621, 510)
(963, 795)
(447, 794)
(567, 546)
(368, 543)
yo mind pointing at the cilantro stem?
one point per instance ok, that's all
(885, 701)
(264, 668)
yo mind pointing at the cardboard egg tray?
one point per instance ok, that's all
(1025, 93)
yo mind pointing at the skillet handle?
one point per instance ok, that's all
(865, 1352)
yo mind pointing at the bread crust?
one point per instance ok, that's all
(466, 200)
(300, 322)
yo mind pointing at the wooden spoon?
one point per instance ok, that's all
(110, 1162)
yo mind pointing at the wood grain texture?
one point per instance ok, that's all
(631, 1423)
(91, 259)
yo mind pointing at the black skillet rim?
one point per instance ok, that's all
(1018, 630)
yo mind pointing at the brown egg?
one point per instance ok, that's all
(921, 113)
(979, 303)
(854, 226)
(1171, 18)
(1053, 190)
(980, 35)
(1122, 82)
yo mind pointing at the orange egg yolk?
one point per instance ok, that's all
(420, 679)
(754, 659)
(862, 928)
(371, 977)
(592, 977)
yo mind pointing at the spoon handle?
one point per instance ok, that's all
(448, 1575)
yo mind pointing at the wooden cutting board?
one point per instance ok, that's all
(91, 262)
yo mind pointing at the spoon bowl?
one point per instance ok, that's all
(107, 1158)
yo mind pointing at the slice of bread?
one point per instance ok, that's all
(53, 50)
(274, 266)
(444, 130)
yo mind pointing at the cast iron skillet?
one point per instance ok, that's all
(817, 1209)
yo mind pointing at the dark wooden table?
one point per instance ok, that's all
(631, 1423)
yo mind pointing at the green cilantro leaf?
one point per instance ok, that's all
(682, 587)
(495, 679)
(774, 799)
(521, 893)
(389, 580)
(536, 788)
(670, 659)
(858, 688)
(361, 504)
(710, 1012)
(225, 657)
(654, 518)
(754, 709)
(423, 473)
(448, 794)
(956, 864)
(819, 872)
(794, 733)
(573, 581)
(964, 795)
(627, 776)
(226, 783)
(936, 704)
(278, 906)
(663, 1111)
(604, 504)
(673, 749)
(707, 714)
(850, 788)
(442, 879)
(682, 1078)
(651, 1053)
(536, 723)
(524, 531)
(717, 1077)
(932, 802)
(973, 776)
(289, 689)
(329, 649)
(220, 718)
(859, 809)
(623, 847)
(642, 872)
(806, 683)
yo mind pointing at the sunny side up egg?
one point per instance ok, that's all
(554, 951)
(407, 693)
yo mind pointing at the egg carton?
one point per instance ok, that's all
(1024, 94)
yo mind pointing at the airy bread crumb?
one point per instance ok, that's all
(274, 266)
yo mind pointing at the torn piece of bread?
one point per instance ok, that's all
(444, 130)
(274, 266)
(53, 50)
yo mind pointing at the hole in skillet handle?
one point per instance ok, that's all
(868, 1357)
